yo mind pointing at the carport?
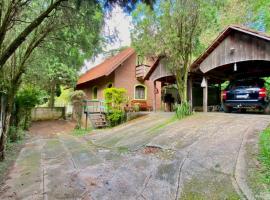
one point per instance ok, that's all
(237, 52)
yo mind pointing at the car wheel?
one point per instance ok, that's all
(227, 109)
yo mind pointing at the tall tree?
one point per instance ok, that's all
(26, 25)
(61, 27)
(172, 32)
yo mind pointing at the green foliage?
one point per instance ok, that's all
(224, 85)
(115, 98)
(64, 98)
(267, 83)
(183, 110)
(172, 31)
(77, 98)
(30, 96)
(115, 116)
(27, 98)
(15, 134)
(264, 154)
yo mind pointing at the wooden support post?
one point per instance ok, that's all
(190, 95)
(155, 97)
(219, 92)
(205, 94)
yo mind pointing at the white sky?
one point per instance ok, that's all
(120, 22)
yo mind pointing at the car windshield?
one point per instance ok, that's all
(259, 83)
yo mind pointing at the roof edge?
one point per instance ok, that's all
(222, 35)
(152, 69)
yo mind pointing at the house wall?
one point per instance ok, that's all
(100, 83)
(125, 77)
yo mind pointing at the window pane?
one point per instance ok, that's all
(139, 92)
(95, 90)
(110, 85)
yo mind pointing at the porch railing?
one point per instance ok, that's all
(95, 106)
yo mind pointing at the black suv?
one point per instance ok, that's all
(243, 94)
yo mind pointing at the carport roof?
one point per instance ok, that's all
(222, 36)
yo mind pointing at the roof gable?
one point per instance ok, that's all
(222, 36)
(106, 67)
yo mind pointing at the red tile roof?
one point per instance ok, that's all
(106, 67)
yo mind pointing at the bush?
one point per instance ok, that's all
(115, 98)
(26, 99)
(15, 134)
(183, 110)
(116, 116)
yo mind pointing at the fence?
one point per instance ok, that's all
(94, 106)
(46, 113)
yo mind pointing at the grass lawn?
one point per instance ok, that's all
(264, 156)
(258, 164)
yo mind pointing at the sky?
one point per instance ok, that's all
(120, 22)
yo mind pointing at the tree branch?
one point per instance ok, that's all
(6, 21)
(22, 36)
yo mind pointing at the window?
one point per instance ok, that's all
(110, 85)
(94, 92)
(140, 92)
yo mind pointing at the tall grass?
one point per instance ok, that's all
(264, 154)
(183, 110)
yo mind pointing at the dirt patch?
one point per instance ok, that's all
(51, 127)
(151, 150)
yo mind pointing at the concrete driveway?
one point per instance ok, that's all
(154, 157)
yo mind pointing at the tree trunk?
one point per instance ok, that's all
(181, 82)
(3, 139)
(52, 96)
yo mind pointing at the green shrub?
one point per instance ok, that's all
(183, 110)
(30, 96)
(116, 116)
(15, 134)
(115, 99)
(264, 154)
(26, 99)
